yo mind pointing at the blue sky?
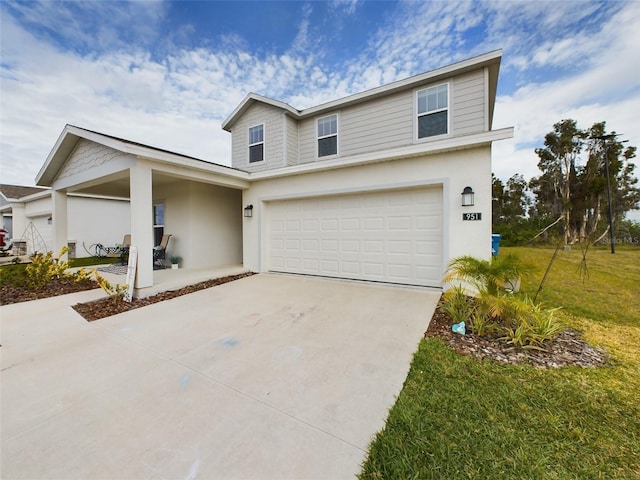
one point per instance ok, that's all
(168, 73)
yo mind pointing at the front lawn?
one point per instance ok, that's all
(457, 417)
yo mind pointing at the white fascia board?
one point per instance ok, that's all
(70, 136)
(411, 82)
(250, 99)
(443, 72)
(189, 163)
(40, 176)
(34, 196)
(446, 145)
(154, 154)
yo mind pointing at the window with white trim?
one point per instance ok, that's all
(256, 143)
(328, 135)
(433, 111)
(158, 222)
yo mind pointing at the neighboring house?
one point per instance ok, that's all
(367, 187)
(27, 216)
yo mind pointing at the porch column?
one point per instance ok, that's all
(140, 192)
(18, 220)
(59, 220)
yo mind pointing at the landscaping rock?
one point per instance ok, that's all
(567, 348)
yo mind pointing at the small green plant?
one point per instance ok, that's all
(175, 260)
(495, 276)
(115, 291)
(480, 324)
(44, 268)
(457, 304)
(497, 312)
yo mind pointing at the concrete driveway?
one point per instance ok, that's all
(268, 377)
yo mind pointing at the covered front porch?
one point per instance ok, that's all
(169, 279)
(196, 202)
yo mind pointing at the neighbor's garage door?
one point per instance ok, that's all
(387, 236)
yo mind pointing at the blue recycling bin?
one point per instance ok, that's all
(495, 244)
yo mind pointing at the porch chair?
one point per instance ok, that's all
(121, 250)
(160, 252)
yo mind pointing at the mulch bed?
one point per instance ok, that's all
(106, 307)
(10, 294)
(567, 348)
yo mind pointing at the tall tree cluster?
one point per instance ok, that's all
(572, 191)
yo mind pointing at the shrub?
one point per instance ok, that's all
(497, 312)
(44, 268)
(116, 291)
(457, 304)
(83, 274)
(490, 276)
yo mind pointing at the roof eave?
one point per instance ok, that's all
(249, 100)
(491, 59)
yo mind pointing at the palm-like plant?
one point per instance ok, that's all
(490, 276)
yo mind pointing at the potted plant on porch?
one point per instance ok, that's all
(175, 261)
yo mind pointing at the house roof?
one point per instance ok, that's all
(15, 192)
(72, 134)
(490, 60)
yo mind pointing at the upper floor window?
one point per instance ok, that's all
(433, 111)
(328, 135)
(256, 143)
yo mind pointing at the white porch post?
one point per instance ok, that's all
(59, 220)
(18, 220)
(141, 194)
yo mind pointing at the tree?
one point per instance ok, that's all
(510, 202)
(558, 166)
(510, 209)
(573, 185)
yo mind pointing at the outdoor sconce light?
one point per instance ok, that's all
(467, 197)
(248, 211)
(49, 220)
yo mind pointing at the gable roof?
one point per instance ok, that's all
(71, 135)
(491, 60)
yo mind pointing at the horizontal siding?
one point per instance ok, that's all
(375, 125)
(273, 121)
(292, 141)
(307, 140)
(378, 125)
(467, 103)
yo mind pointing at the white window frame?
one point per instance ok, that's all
(320, 137)
(255, 143)
(158, 227)
(417, 114)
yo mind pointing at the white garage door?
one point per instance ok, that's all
(387, 236)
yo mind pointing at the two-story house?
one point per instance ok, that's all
(385, 185)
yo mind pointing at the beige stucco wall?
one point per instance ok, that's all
(453, 170)
(90, 220)
(205, 222)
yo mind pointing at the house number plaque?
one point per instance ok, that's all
(472, 216)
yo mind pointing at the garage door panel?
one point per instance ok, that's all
(390, 236)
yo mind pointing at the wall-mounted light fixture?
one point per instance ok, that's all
(49, 220)
(467, 197)
(248, 211)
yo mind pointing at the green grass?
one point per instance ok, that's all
(16, 275)
(610, 292)
(457, 417)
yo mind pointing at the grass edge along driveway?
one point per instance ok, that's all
(460, 418)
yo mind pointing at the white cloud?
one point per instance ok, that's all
(177, 100)
(605, 90)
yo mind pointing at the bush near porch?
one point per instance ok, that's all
(457, 417)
